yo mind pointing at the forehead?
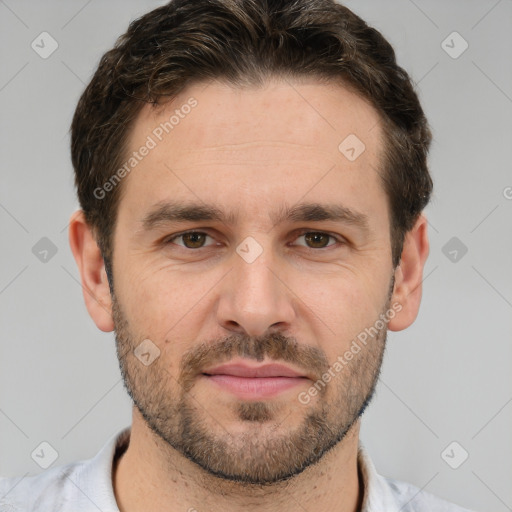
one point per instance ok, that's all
(283, 140)
(296, 112)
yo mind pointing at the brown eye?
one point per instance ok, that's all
(194, 240)
(190, 240)
(317, 240)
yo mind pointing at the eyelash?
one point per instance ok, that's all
(301, 233)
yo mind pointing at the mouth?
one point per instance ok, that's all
(254, 382)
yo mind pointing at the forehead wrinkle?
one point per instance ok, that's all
(250, 144)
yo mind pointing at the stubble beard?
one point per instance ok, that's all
(265, 451)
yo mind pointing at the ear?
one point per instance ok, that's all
(409, 276)
(90, 263)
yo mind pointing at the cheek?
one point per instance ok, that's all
(162, 302)
(342, 307)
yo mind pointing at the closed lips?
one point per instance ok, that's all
(239, 370)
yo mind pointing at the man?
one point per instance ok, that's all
(252, 176)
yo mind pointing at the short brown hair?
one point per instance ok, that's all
(245, 42)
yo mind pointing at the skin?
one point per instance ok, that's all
(250, 152)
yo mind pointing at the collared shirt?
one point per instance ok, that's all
(86, 486)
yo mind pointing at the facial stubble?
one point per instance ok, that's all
(266, 451)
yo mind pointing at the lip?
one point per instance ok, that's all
(254, 382)
(244, 370)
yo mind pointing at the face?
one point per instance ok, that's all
(250, 256)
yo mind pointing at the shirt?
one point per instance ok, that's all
(86, 486)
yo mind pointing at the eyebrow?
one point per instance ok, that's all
(168, 212)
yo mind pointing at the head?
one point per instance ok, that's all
(251, 176)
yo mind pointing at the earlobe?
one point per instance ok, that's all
(94, 280)
(409, 275)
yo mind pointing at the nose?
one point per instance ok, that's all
(254, 298)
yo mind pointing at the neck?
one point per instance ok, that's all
(151, 475)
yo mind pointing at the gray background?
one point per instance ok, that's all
(447, 378)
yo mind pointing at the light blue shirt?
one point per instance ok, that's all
(86, 486)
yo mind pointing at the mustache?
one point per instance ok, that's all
(276, 347)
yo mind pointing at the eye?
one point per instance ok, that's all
(317, 239)
(197, 240)
(190, 239)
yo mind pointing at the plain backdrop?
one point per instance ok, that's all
(446, 379)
